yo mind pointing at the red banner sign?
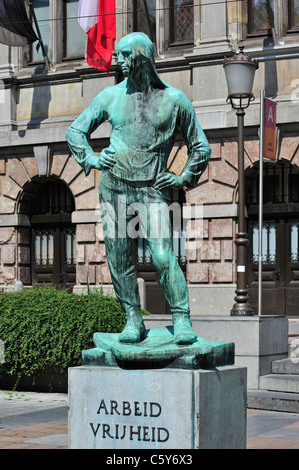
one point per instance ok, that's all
(270, 129)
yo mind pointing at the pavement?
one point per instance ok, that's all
(30, 420)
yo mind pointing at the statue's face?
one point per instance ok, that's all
(126, 58)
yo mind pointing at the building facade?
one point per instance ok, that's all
(50, 228)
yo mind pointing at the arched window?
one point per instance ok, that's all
(53, 234)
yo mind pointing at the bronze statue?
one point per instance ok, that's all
(145, 114)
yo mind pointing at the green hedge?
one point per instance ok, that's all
(44, 328)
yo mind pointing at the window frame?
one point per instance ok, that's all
(172, 26)
(39, 61)
(165, 37)
(291, 27)
(65, 57)
(136, 17)
(251, 31)
(57, 37)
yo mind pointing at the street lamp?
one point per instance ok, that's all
(240, 70)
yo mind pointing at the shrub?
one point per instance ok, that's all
(46, 329)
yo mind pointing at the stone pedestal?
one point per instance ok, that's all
(259, 340)
(115, 408)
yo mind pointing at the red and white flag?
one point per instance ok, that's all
(97, 18)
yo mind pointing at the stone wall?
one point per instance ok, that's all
(19, 178)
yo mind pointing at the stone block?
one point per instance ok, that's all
(197, 272)
(7, 234)
(179, 160)
(16, 171)
(222, 228)
(216, 150)
(85, 233)
(71, 170)
(210, 193)
(7, 275)
(99, 232)
(223, 173)
(210, 250)
(191, 251)
(82, 183)
(85, 274)
(7, 205)
(103, 274)
(289, 148)
(10, 188)
(211, 299)
(227, 249)
(2, 166)
(80, 253)
(252, 149)
(58, 164)
(229, 152)
(221, 272)
(8, 255)
(197, 229)
(30, 166)
(89, 199)
(114, 408)
(94, 253)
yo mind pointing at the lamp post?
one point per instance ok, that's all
(239, 71)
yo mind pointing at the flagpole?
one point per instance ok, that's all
(39, 35)
(260, 272)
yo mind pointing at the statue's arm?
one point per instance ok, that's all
(199, 150)
(78, 138)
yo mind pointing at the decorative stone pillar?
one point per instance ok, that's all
(213, 35)
(206, 61)
(7, 92)
(237, 21)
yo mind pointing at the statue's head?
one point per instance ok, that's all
(136, 52)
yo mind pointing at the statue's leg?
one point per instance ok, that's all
(175, 289)
(119, 256)
(171, 277)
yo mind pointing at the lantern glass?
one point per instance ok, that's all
(239, 77)
(239, 71)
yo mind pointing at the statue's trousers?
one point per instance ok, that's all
(120, 201)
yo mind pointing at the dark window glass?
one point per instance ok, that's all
(182, 20)
(145, 18)
(293, 14)
(73, 34)
(258, 16)
(42, 13)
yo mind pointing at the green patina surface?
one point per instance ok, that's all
(157, 350)
(146, 114)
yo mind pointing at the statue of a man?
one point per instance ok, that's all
(145, 114)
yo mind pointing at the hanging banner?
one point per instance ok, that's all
(97, 18)
(270, 129)
(15, 27)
